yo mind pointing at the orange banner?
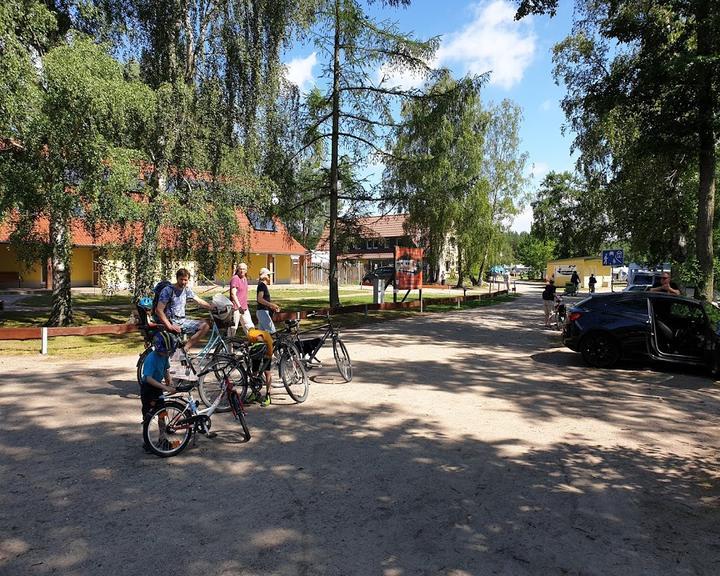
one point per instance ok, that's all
(408, 268)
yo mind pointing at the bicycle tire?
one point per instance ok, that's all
(140, 362)
(293, 374)
(210, 381)
(239, 414)
(342, 359)
(160, 444)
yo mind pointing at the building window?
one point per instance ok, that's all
(260, 222)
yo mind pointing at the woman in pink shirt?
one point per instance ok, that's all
(238, 297)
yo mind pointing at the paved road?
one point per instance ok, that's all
(468, 444)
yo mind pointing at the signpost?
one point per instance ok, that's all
(613, 258)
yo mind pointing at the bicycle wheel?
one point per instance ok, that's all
(293, 374)
(210, 381)
(239, 414)
(140, 362)
(342, 359)
(163, 432)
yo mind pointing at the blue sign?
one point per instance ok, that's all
(613, 257)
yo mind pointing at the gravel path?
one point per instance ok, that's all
(468, 444)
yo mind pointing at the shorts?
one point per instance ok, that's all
(265, 321)
(188, 326)
(549, 306)
(150, 397)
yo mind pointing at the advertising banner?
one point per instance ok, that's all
(408, 268)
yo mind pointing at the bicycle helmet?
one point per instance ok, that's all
(146, 302)
(165, 342)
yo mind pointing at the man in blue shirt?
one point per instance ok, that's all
(171, 309)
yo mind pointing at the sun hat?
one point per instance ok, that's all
(264, 272)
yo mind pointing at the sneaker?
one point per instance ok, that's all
(266, 401)
(210, 434)
(250, 398)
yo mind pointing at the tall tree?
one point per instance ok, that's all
(355, 115)
(73, 163)
(436, 168)
(504, 170)
(653, 66)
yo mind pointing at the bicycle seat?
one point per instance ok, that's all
(185, 387)
(290, 324)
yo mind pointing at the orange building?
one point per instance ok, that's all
(266, 243)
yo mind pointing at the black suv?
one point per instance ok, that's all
(606, 327)
(386, 273)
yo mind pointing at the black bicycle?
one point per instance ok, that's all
(250, 361)
(309, 347)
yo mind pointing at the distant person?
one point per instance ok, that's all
(666, 286)
(239, 299)
(575, 280)
(265, 306)
(171, 309)
(591, 283)
(442, 278)
(507, 280)
(548, 297)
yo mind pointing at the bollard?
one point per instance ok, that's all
(44, 348)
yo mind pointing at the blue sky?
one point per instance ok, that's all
(481, 36)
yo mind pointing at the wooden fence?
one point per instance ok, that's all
(43, 333)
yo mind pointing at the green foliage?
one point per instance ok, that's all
(644, 103)
(535, 253)
(571, 214)
(435, 173)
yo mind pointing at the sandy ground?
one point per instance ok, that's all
(468, 443)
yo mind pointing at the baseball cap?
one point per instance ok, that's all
(264, 272)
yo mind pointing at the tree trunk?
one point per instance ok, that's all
(461, 272)
(334, 160)
(706, 142)
(61, 311)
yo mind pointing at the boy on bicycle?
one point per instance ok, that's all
(156, 372)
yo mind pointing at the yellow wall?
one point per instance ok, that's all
(283, 269)
(81, 267)
(255, 262)
(31, 278)
(584, 266)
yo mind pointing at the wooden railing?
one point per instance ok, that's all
(43, 333)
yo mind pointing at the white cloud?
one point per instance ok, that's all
(493, 41)
(523, 221)
(540, 170)
(403, 79)
(299, 71)
(547, 105)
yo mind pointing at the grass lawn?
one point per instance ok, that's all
(101, 345)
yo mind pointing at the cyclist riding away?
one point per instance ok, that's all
(171, 309)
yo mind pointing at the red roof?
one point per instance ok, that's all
(382, 226)
(261, 242)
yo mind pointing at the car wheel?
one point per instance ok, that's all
(600, 350)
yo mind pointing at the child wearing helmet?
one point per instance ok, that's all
(156, 375)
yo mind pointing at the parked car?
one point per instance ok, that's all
(607, 327)
(386, 273)
(637, 288)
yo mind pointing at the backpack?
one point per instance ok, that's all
(159, 287)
